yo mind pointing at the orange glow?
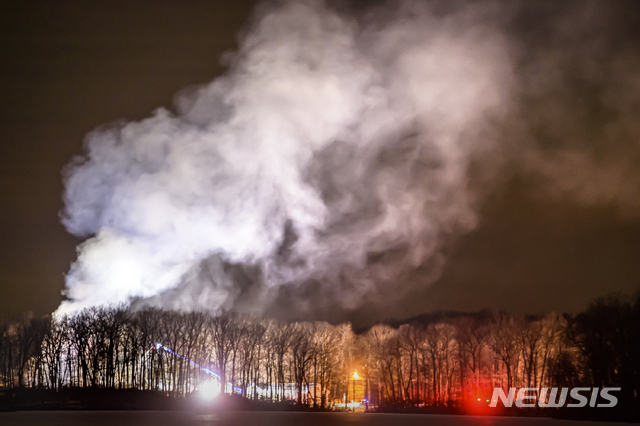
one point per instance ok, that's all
(355, 376)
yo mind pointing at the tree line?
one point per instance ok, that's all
(435, 360)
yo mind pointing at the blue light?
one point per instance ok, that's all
(195, 364)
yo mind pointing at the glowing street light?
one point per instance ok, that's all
(209, 390)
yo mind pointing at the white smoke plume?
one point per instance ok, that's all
(329, 142)
(338, 153)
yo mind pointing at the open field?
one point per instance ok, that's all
(135, 418)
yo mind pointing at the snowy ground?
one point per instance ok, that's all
(161, 418)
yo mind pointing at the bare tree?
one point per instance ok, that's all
(29, 334)
(220, 326)
(472, 335)
(504, 342)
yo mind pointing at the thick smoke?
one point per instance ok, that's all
(331, 166)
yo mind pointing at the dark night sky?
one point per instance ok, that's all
(67, 67)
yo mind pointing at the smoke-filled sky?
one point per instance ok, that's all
(309, 159)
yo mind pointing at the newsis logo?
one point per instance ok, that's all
(528, 397)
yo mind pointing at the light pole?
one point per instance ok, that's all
(355, 377)
(354, 392)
